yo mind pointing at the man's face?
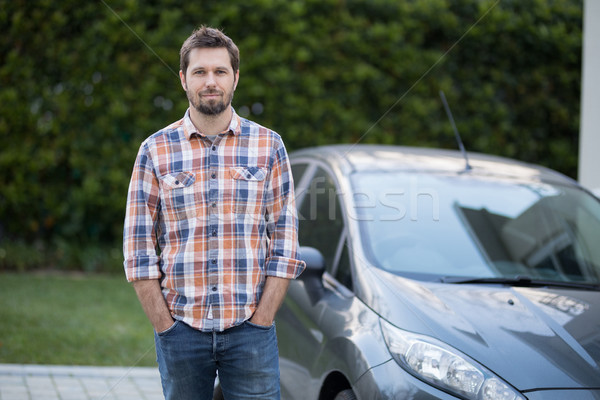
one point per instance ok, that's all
(209, 81)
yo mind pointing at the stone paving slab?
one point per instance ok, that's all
(56, 382)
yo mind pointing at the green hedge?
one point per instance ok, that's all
(83, 83)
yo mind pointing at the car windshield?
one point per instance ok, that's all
(464, 226)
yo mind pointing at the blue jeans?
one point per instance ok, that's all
(246, 357)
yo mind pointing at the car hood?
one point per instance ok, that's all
(533, 338)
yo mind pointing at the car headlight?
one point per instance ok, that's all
(445, 367)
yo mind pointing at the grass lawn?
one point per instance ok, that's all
(72, 320)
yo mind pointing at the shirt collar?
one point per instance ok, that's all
(189, 129)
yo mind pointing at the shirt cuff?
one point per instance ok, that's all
(142, 268)
(283, 267)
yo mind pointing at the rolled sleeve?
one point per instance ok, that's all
(282, 267)
(282, 226)
(139, 233)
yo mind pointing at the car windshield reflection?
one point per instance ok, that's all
(467, 226)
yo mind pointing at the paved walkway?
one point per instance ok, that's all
(45, 382)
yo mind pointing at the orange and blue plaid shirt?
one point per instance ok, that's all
(211, 220)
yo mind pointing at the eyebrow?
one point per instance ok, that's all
(205, 67)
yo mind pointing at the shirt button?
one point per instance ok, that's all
(177, 182)
(214, 148)
(214, 232)
(213, 205)
(213, 176)
(213, 261)
(214, 288)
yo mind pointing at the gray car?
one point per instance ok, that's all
(430, 277)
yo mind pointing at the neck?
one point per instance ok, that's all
(211, 124)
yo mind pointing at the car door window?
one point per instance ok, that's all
(343, 273)
(297, 172)
(321, 222)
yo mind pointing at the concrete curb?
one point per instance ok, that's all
(61, 382)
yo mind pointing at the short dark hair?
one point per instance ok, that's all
(205, 37)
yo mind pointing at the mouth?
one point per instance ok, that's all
(210, 95)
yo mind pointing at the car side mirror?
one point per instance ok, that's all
(315, 262)
(313, 273)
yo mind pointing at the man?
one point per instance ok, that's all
(210, 235)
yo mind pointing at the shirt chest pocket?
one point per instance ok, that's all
(248, 189)
(178, 195)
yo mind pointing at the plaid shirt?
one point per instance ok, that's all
(211, 220)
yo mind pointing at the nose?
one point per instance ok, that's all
(210, 79)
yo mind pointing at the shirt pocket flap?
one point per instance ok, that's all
(248, 173)
(178, 180)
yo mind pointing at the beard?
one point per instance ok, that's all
(210, 107)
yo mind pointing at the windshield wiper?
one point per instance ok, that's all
(523, 281)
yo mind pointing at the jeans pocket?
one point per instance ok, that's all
(261, 327)
(169, 329)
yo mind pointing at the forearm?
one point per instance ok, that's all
(272, 298)
(150, 295)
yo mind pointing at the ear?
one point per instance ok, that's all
(182, 78)
(237, 79)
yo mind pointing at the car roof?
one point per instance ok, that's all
(387, 158)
